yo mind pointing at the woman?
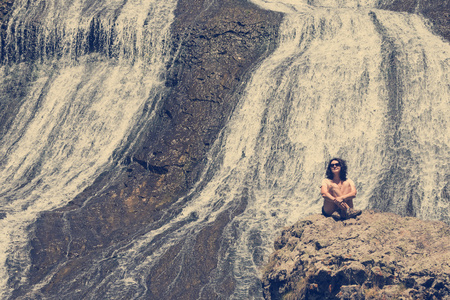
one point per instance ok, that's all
(338, 191)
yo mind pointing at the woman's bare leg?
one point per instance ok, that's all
(337, 192)
(329, 206)
(346, 188)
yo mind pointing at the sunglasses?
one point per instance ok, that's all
(335, 165)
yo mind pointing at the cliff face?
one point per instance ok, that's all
(214, 48)
(5, 8)
(437, 12)
(375, 256)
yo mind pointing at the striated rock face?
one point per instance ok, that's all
(376, 256)
(215, 45)
(5, 7)
(214, 48)
(436, 11)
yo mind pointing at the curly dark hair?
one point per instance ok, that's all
(342, 173)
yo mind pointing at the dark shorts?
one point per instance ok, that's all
(325, 214)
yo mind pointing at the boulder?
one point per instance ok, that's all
(375, 256)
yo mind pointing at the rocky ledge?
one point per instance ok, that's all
(375, 256)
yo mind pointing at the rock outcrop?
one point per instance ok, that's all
(375, 256)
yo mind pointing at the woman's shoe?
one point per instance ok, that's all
(353, 213)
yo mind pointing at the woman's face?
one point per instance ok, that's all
(335, 167)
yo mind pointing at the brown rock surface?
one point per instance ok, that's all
(214, 49)
(375, 256)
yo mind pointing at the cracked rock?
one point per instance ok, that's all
(375, 256)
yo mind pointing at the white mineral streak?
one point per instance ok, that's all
(327, 90)
(324, 92)
(76, 112)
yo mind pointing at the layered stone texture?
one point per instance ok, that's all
(375, 256)
(214, 48)
(436, 11)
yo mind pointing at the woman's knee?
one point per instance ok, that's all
(329, 207)
(335, 190)
(349, 202)
(334, 185)
(346, 187)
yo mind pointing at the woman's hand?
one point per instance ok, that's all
(341, 203)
